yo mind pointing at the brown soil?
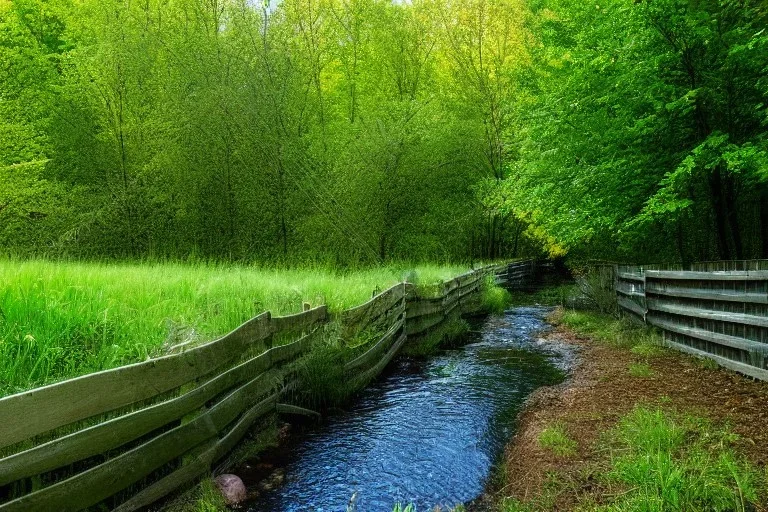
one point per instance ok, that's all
(599, 392)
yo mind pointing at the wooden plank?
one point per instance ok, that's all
(631, 277)
(377, 369)
(100, 482)
(631, 306)
(752, 371)
(734, 275)
(360, 317)
(30, 413)
(704, 294)
(202, 463)
(712, 337)
(300, 321)
(296, 410)
(236, 433)
(722, 316)
(423, 323)
(118, 431)
(373, 352)
(628, 293)
(181, 477)
(423, 307)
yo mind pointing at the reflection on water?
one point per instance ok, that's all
(428, 431)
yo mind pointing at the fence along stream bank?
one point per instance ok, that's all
(717, 310)
(127, 437)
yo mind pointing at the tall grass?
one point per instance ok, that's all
(668, 462)
(62, 319)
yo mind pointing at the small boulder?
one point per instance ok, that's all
(232, 488)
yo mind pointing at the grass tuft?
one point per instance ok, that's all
(621, 333)
(642, 370)
(495, 299)
(668, 462)
(555, 439)
(204, 497)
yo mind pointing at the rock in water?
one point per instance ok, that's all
(232, 488)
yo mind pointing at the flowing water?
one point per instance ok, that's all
(426, 432)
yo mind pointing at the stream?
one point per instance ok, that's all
(428, 431)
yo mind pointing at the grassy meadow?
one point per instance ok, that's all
(63, 319)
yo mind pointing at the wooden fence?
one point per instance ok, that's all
(127, 437)
(717, 310)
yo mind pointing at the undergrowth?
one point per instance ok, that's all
(204, 497)
(495, 299)
(621, 333)
(659, 461)
(667, 462)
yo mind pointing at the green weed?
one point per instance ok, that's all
(204, 497)
(640, 370)
(622, 333)
(556, 439)
(706, 363)
(667, 463)
(324, 382)
(560, 295)
(495, 299)
(646, 349)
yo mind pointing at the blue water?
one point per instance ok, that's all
(428, 431)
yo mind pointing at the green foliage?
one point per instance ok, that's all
(343, 132)
(643, 133)
(560, 295)
(321, 372)
(495, 299)
(204, 497)
(556, 439)
(670, 463)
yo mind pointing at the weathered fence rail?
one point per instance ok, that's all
(127, 437)
(717, 310)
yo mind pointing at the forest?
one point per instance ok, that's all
(363, 131)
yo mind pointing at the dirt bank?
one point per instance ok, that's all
(600, 391)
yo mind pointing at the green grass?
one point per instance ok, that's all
(555, 439)
(667, 462)
(495, 299)
(658, 460)
(204, 497)
(63, 319)
(642, 370)
(623, 333)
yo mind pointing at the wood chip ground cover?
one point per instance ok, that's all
(602, 390)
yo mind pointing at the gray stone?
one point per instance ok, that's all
(232, 488)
